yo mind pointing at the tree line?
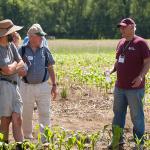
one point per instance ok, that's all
(87, 19)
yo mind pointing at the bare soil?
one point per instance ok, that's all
(89, 110)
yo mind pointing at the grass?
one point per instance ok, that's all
(82, 46)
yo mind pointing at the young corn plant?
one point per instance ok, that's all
(80, 140)
(38, 144)
(28, 145)
(138, 141)
(147, 140)
(3, 145)
(49, 135)
(93, 139)
(70, 142)
(61, 138)
(1, 137)
(64, 93)
(117, 132)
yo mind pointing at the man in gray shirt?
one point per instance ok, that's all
(34, 86)
(10, 99)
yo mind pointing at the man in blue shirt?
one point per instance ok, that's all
(34, 86)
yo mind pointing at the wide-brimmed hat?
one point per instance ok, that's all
(125, 22)
(7, 27)
(36, 29)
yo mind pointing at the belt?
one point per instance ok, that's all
(32, 83)
(10, 81)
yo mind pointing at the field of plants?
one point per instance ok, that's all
(82, 114)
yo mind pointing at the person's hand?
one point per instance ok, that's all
(22, 72)
(54, 92)
(137, 81)
(107, 73)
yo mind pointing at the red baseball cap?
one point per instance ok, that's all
(125, 22)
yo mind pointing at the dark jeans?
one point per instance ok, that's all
(133, 98)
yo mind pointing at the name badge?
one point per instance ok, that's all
(30, 57)
(7, 60)
(121, 59)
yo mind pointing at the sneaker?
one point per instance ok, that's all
(139, 147)
(30, 136)
(19, 146)
(121, 146)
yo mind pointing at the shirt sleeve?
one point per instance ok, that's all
(16, 54)
(50, 58)
(20, 51)
(3, 58)
(145, 51)
(118, 50)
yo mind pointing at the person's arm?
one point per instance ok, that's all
(21, 70)
(114, 68)
(20, 65)
(137, 81)
(109, 72)
(9, 69)
(12, 68)
(53, 81)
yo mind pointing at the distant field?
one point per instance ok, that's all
(78, 46)
(89, 46)
(83, 61)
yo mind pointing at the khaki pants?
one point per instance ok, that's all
(39, 94)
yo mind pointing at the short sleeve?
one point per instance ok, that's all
(118, 49)
(50, 58)
(144, 48)
(3, 58)
(16, 54)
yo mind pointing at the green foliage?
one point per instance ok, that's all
(1, 137)
(117, 132)
(63, 93)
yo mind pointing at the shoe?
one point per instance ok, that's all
(19, 146)
(30, 136)
(139, 147)
(121, 146)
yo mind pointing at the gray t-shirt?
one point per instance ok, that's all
(36, 63)
(8, 55)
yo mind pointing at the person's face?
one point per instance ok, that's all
(36, 40)
(3, 40)
(16, 38)
(126, 31)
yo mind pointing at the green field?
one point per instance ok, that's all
(83, 62)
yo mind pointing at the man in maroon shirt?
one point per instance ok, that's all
(132, 64)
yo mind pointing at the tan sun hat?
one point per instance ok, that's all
(7, 27)
(36, 29)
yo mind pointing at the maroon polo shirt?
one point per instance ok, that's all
(134, 53)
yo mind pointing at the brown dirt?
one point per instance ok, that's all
(89, 110)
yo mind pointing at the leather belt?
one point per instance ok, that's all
(10, 81)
